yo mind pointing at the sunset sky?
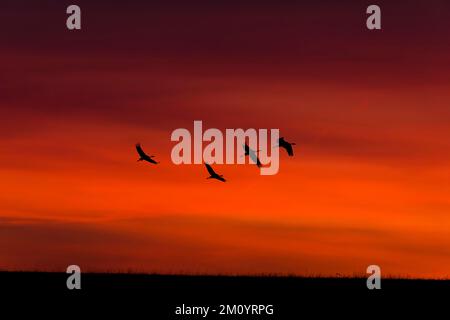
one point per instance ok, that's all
(369, 111)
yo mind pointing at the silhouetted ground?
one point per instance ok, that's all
(135, 296)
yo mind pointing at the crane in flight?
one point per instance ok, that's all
(213, 174)
(286, 145)
(252, 154)
(143, 156)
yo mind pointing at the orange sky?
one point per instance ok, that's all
(369, 112)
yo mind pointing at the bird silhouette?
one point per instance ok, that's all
(252, 154)
(143, 156)
(213, 174)
(286, 145)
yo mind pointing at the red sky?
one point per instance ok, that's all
(369, 112)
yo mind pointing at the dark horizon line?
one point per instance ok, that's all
(218, 275)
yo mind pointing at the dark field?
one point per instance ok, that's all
(135, 296)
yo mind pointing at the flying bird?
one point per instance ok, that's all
(213, 174)
(143, 156)
(286, 145)
(252, 153)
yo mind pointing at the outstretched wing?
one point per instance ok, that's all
(289, 149)
(255, 159)
(210, 170)
(152, 161)
(141, 152)
(246, 149)
(286, 145)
